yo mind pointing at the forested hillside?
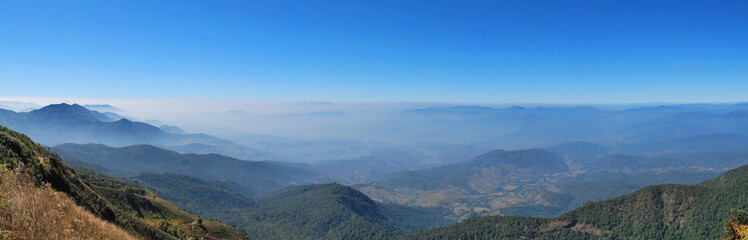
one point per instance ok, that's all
(110, 200)
(657, 212)
(317, 211)
(548, 182)
(150, 207)
(257, 177)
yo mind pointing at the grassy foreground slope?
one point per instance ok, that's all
(156, 211)
(33, 212)
(44, 167)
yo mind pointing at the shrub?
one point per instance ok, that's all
(737, 225)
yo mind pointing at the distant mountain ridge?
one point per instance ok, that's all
(531, 127)
(258, 176)
(696, 143)
(65, 123)
(72, 123)
(66, 113)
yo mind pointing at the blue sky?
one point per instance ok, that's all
(444, 51)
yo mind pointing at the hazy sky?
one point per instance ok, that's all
(462, 51)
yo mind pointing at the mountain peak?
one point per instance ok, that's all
(67, 112)
(62, 106)
(123, 120)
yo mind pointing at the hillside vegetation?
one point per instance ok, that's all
(737, 227)
(316, 211)
(521, 182)
(39, 212)
(333, 211)
(657, 212)
(113, 203)
(257, 177)
(156, 211)
(548, 182)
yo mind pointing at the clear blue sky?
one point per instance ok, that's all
(600, 51)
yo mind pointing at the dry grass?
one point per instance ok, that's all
(737, 225)
(739, 232)
(30, 212)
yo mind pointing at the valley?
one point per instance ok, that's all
(395, 191)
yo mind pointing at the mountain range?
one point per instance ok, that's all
(338, 212)
(316, 211)
(255, 177)
(670, 211)
(129, 206)
(589, 155)
(65, 123)
(547, 182)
